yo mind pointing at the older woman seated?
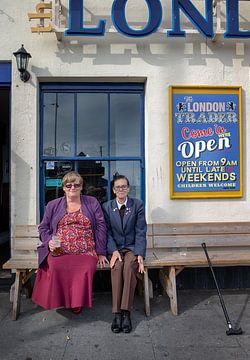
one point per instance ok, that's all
(77, 220)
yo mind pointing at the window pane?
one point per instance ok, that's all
(54, 172)
(92, 124)
(132, 170)
(95, 175)
(65, 125)
(125, 124)
(49, 124)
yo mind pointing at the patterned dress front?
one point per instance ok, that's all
(67, 279)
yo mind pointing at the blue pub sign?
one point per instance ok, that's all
(204, 24)
(205, 141)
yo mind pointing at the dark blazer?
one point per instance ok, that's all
(54, 212)
(132, 235)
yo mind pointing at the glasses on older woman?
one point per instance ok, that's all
(121, 188)
(69, 186)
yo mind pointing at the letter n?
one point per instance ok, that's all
(204, 25)
(233, 21)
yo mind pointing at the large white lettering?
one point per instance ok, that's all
(189, 149)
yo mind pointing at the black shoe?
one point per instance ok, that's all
(116, 325)
(126, 322)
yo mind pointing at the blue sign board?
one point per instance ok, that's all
(54, 182)
(205, 142)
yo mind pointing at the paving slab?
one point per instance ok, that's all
(198, 332)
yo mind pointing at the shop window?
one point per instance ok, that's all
(95, 129)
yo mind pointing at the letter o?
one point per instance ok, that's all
(119, 19)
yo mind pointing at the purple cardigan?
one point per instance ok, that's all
(54, 212)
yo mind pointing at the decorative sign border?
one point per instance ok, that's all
(205, 141)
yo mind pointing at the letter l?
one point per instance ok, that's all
(76, 22)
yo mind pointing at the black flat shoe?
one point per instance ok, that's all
(126, 322)
(116, 325)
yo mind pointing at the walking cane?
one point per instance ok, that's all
(231, 330)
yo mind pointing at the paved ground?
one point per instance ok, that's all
(197, 333)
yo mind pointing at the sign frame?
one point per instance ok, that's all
(206, 135)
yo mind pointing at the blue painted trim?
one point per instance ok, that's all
(75, 123)
(5, 73)
(41, 164)
(93, 87)
(94, 158)
(143, 190)
(108, 142)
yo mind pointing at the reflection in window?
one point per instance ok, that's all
(54, 172)
(58, 125)
(132, 170)
(50, 104)
(92, 124)
(95, 175)
(125, 124)
(65, 125)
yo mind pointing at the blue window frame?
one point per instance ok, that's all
(5, 73)
(96, 129)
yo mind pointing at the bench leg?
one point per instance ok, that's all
(168, 281)
(17, 295)
(146, 292)
(173, 297)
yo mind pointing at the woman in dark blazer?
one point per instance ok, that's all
(126, 239)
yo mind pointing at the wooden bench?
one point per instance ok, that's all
(171, 248)
(174, 247)
(24, 261)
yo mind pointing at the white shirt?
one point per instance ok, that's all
(120, 205)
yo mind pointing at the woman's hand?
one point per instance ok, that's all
(102, 260)
(51, 245)
(115, 256)
(141, 264)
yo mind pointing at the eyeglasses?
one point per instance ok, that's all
(121, 188)
(69, 186)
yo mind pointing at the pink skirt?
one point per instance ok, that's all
(66, 281)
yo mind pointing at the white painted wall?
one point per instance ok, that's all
(157, 60)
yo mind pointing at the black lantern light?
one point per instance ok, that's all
(22, 59)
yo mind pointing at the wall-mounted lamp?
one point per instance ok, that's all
(22, 59)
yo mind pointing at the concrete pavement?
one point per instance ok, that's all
(197, 333)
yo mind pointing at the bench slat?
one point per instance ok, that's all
(26, 231)
(177, 241)
(26, 244)
(21, 263)
(194, 258)
(242, 227)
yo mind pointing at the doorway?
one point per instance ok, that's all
(4, 175)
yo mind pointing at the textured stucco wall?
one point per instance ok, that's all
(157, 60)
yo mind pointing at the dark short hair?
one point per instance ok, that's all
(119, 177)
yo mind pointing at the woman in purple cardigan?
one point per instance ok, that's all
(77, 222)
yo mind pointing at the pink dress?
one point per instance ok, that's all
(66, 280)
